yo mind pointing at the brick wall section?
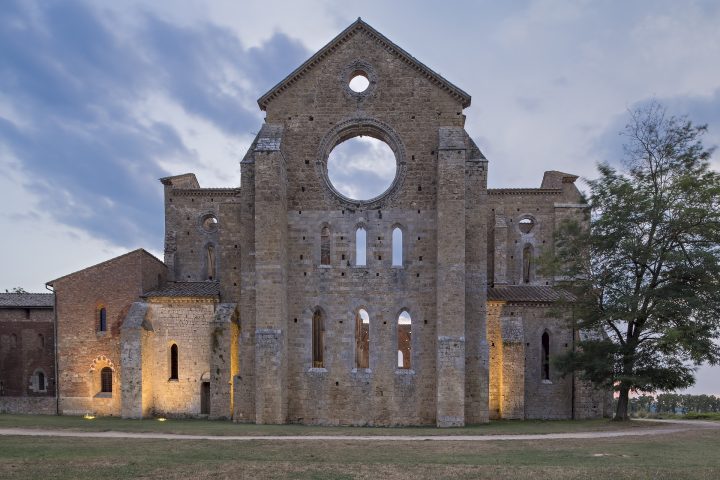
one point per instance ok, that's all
(82, 350)
(22, 355)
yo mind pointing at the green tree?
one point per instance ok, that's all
(646, 264)
(16, 290)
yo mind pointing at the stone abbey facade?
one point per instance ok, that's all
(264, 311)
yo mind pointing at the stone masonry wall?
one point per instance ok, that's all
(188, 324)
(406, 106)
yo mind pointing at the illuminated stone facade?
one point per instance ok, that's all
(261, 311)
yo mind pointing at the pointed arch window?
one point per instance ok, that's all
(106, 380)
(527, 262)
(545, 356)
(397, 247)
(404, 337)
(41, 381)
(362, 339)
(173, 362)
(210, 253)
(318, 339)
(360, 247)
(325, 246)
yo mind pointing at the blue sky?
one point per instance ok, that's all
(100, 99)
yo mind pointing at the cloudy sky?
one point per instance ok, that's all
(100, 99)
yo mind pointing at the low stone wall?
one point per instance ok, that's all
(28, 405)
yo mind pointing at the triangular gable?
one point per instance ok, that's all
(360, 26)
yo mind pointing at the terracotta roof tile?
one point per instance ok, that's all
(186, 289)
(27, 300)
(529, 293)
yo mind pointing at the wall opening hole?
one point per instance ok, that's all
(359, 82)
(361, 167)
(526, 225)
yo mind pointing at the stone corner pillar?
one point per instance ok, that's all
(131, 362)
(512, 391)
(451, 277)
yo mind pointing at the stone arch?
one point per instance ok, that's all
(403, 327)
(418, 322)
(39, 381)
(97, 366)
(364, 354)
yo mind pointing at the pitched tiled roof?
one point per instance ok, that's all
(27, 300)
(529, 293)
(186, 289)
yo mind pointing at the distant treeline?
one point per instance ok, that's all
(674, 403)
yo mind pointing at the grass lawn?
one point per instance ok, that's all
(692, 454)
(208, 427)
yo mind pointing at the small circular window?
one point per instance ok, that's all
(209, 223)
(526, 225)
(359, 82)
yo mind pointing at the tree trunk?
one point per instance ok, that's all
(622, 406)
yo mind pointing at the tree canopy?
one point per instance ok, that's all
(645, 266)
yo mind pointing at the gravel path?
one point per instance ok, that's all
(674, 426)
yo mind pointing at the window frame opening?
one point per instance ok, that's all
(325, 245)
(404, 340)
(527, 262)
(106, 380)
(362, 339)
(174, 358)
(545, 357)
(397, 247)
(526, 225)
(102, 319)
(211, 262)
(360, 247)
(318, 339)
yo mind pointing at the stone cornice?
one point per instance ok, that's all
(524, 191)
(206, 192)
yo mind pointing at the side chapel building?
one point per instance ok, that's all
(263, 311)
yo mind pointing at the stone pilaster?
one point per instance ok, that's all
(224, 360)
(451, 277)
(271, 277)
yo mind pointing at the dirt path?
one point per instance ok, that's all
(677, 426)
